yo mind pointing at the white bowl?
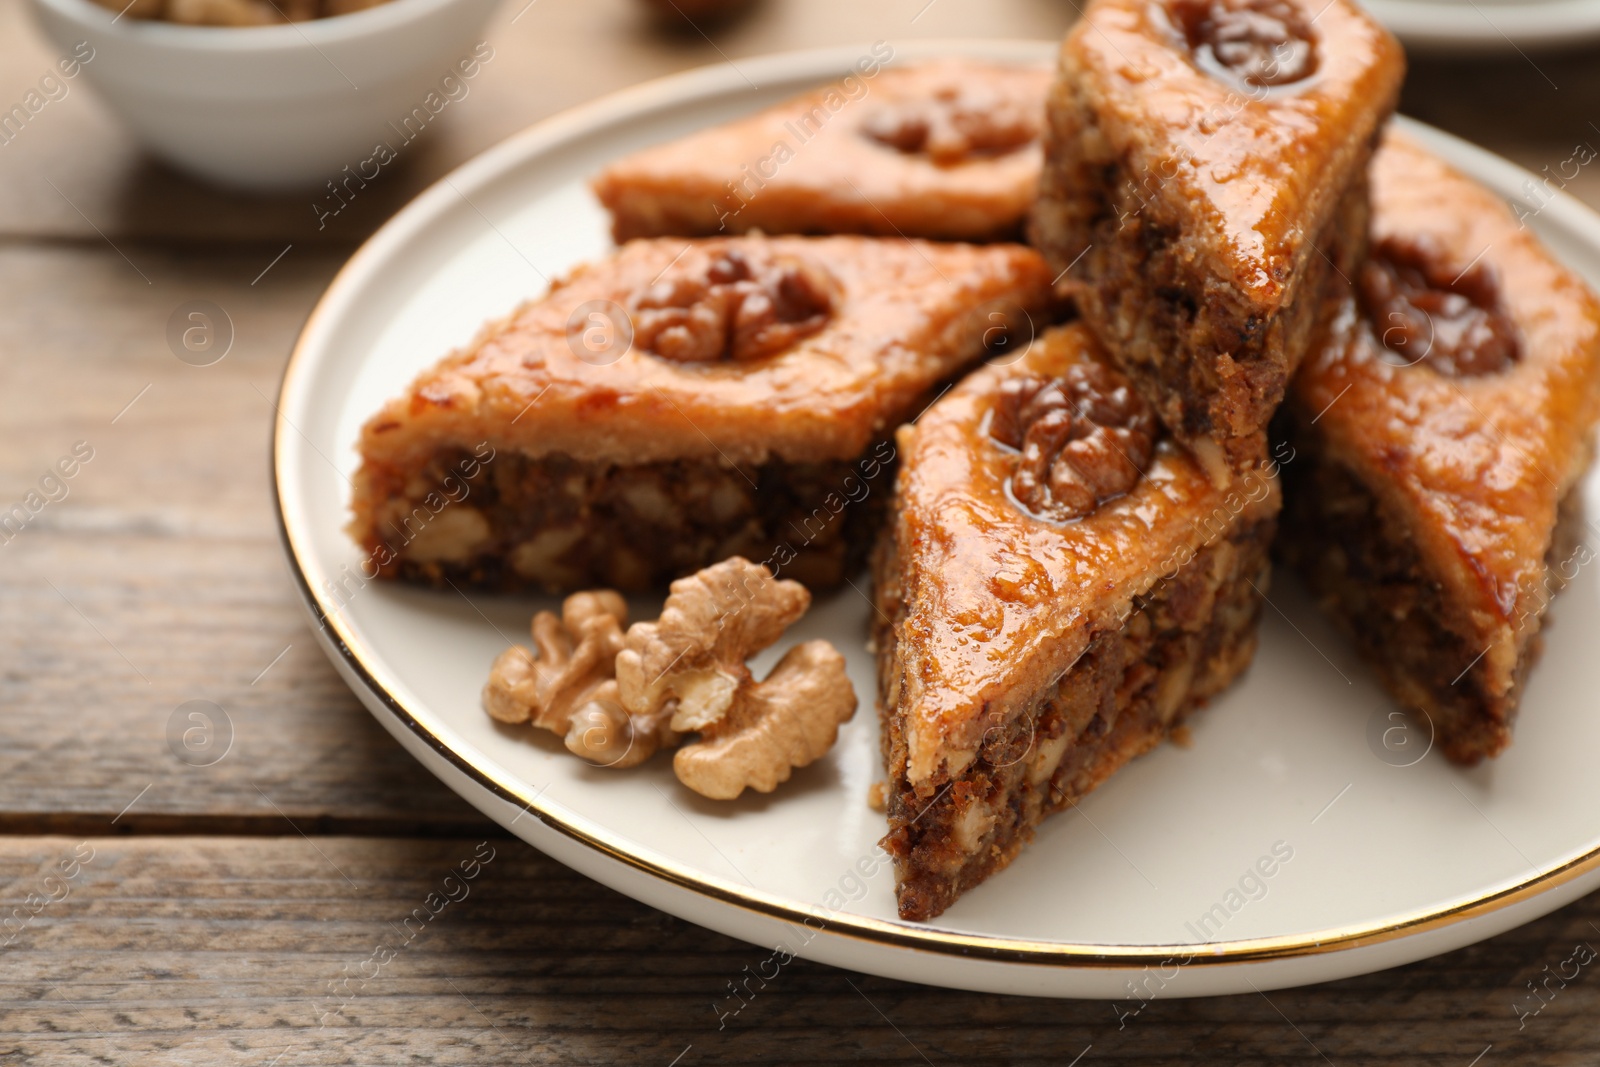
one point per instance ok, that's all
(275, 107)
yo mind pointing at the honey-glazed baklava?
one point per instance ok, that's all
(1203, 190)
(1059, 585)
(947, 149)
(679, 403)
(1441, 428)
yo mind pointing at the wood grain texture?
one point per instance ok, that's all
(205, 951)
(158, 579)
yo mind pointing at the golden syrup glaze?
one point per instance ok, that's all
(819, 164)
(1259, 169)
(998, 603)
(1473, 465)
(905, 316)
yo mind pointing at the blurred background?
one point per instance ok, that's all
(225, 894)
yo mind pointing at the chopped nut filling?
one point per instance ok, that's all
(1426, 311)
(1260, 42)
(741, 306)
(956, 124)
(1180, 645)
(1084, 438)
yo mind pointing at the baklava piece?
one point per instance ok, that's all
(1060, 585)
(1203, 191)
(946, 150)
(676, 404)
(1441, 430)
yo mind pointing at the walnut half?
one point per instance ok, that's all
(570, 688)
(1263, 43)
(577, 655)
(957, 124)
(1426, 311)
(602, 731)
(742, 304)
(691, 663)
(1083, 438)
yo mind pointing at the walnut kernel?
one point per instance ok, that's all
(1084, 438)
(1263, 43)
(745, 303)
(788, 720)
(577, 655)
(1427, 311)
(956, 124)
(603, 732)
(691, 663)
(618, 699)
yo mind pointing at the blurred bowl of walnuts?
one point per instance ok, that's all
(274, 95)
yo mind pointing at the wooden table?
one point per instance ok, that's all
(222, 914)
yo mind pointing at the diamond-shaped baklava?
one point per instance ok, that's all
(1203, 189)
(1059, 585)
(946, 149)
(1440, 429)
(679, 403)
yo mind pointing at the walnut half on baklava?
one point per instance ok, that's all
(947, 149)
(1059, 586)
(676, 404)
(1440, 430)
(1203, 190)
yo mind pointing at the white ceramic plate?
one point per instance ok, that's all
(1470, 26)
(1386, 863)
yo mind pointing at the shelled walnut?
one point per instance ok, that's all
(1084, 438)
(570, 687)
(692, 660)
(1263, 43)
(577, 656)
(602, 731)
(618, 699)
(1427, 311)
(957, 124)
(738, 306)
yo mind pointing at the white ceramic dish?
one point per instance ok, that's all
(1483, 26)
(1388, 863)
(275, 107)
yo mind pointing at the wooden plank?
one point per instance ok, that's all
(158, 578)
(207, 951)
